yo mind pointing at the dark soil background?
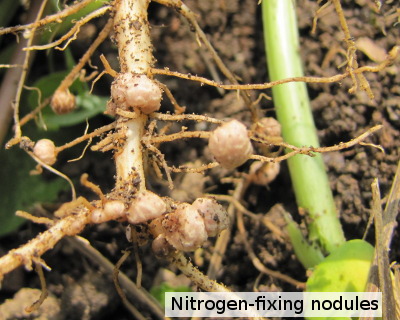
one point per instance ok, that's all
(235, 29)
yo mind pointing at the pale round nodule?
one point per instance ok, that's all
(184, 228)
(45, 150)
(63, 102)
(268, 127)
(97, 216)
(114, 209)
(146, 206)
(264, 173)
(136, 91)
(215, 216)
(161, 246)
(230, 144)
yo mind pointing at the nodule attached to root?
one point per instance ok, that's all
(184, 228)
(263, 174)
(63, 101)
(113, 210)
(129, 91)
(146, 206)
(268, 127)
(45, 150)
(230, 144)
(161, 247)
(215, 216)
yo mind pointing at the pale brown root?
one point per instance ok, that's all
(91, 135)
(139, 266)
(221, 244)
(56, 172)
(93, 187)
(132, 309)
(21, 81)
(106, 144)
(107, 70)
(45, 241)
(139, 295)
(310, 150)
(178, 109)
(180, 135)
(126, 114)
(87, 144)
(235, 202)
(36, 305)
(260, 86)
(83, 152)
(48, 19)
(393, 54)
(107, 67)
(316, 16)
(381, 256)
(213, 70)
(36, 110)
(160, 156)
(31, 115)
(30, 217)
(72, 34)
(70, 78)
(352, 64)
(200, 169)
(201, 280)
(256, 261)
(9, 66)
(132, 36)
(182, 117)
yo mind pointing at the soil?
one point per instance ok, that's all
(235, 29)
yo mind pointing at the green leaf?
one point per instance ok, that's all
(158, 292)
(19, 190)
(48, 84)
(88, 105)
(344, 270)
(58, 28)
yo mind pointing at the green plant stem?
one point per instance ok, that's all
(308, 174)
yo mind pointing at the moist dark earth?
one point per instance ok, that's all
(234, 27)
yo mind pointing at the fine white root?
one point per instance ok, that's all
(132, 36)
(130, 159)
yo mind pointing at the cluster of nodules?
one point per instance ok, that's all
(129, 91)
(134, 92)
(181, 226)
